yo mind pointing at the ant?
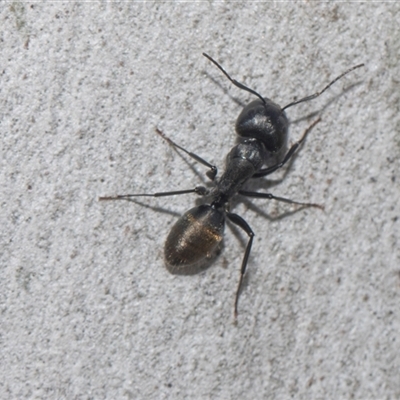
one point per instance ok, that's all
(262, 127)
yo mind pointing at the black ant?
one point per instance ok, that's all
(263, 129)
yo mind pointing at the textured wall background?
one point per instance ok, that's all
(88, 309)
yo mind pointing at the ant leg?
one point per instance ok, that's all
(315, 95)
(200, 190)
(270, 196)
(239, 221)
(212, 173)
(270, 170)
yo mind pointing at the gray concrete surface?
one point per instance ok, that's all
(88, 309)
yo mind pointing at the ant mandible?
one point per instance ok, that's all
(262, 127)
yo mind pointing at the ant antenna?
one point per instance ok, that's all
(313, 96)
(234, 81)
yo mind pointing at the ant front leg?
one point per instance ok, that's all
(212, 173)
(239, 221)
(292, 150)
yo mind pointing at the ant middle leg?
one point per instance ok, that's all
(200, 190)
(289, 154)
(270, 196)
(211, 173)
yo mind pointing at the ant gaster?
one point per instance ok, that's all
(263, 129)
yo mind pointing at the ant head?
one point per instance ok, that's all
(266, 122)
